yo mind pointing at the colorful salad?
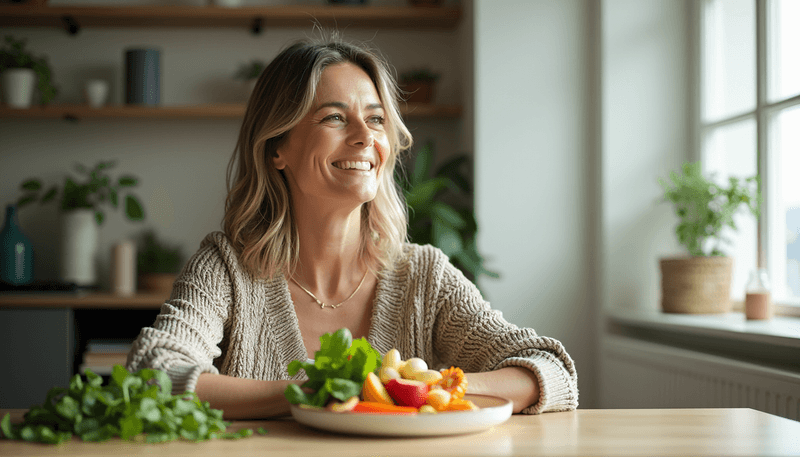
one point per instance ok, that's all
(349, 375)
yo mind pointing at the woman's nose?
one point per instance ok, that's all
(360, 134)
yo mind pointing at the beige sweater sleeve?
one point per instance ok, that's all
(185, 338)
(469, 334)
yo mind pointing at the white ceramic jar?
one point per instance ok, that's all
(79, 234)
(18, 85)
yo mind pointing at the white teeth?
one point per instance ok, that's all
(350, 165)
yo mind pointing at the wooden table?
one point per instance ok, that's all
(728, 432)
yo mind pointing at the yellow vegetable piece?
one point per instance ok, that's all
(438, 399)
(429, 377)
(392, 359)
(386, 374)
(411, 367)
(459, 404)
(373, 390)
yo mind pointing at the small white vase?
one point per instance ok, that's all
(18, 85)
(79, 235)
(96, 92)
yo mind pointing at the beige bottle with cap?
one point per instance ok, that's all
(123, 268)
(758, 301)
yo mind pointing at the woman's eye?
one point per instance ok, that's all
(379, 120)
(333, 117)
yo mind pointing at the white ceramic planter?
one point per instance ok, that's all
(96, 92)
(18, 85)
(79, 235)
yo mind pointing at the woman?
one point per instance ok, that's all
(314, 240)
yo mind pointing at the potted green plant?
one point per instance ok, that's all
(418, 84)
(440, 210)
(81, 205)
(249, 72)
(21, 71)
(157, 263)
(700, 282)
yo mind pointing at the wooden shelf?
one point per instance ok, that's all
(216, 111)
(80, 300)
(253, 18)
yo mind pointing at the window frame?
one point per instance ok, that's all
(762, 112)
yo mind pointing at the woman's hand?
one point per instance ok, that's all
(517, 384)
(241, 398)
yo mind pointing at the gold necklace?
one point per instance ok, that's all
(323, 305)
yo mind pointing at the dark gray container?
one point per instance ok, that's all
(143, 70)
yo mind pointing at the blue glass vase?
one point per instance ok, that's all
(16, 256)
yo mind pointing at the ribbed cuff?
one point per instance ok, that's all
(557, 391)
(184, 378)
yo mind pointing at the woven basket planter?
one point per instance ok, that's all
(696, 285)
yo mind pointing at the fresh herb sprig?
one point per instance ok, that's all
(133, 406)
(338, 370)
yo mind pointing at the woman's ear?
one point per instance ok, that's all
(277, 159)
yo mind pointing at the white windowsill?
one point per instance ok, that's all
(779, 331)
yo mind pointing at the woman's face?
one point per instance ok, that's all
(337, 151)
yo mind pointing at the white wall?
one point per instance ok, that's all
(646, 133)
(533, 183)
(646, 96)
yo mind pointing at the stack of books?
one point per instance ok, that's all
(101, 355)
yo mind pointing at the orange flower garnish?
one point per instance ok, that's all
(454, 381)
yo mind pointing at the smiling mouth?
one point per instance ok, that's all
(353, 165)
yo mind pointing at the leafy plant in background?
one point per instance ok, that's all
(705, 208)
(156, 256)
(250, 70)
(418, 74)
(95, 190)
(130, 405)
(14, 55)
(450, 227)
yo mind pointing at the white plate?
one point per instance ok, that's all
(493, 411)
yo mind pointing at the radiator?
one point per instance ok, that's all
(639, 374)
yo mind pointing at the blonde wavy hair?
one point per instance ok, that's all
(258, 214)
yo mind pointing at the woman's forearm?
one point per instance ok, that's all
(517, 384)
(241, 398)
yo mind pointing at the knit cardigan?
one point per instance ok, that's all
(220, 319)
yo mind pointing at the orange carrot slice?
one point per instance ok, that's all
(459, 404)
(382, 408)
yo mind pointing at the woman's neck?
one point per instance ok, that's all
(329, 262)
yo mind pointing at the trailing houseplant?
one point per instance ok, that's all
(97, 189)
(248, 73)
(14, 56)
(81, 203)
(157, 262)
(440, 212)
(700, 283)
(250, 70)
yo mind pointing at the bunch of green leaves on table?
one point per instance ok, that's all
(130, 405)
(338, 370)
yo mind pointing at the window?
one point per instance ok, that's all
(750, 123)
